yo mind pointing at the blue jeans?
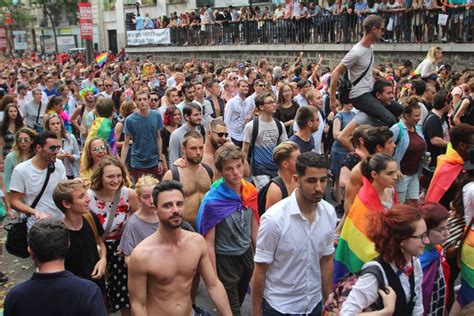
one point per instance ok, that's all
(267, 310)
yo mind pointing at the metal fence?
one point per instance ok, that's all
(401, 26)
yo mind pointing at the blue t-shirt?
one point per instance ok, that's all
(52, 92)
(143, 131)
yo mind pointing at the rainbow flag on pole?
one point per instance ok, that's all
(354, 247)
(101, 59)
(466, 293)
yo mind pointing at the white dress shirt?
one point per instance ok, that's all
(236, 115)
(293, 247)
(365, 291)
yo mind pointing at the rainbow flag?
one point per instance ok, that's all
(102, 127)
(101, 59)
(447, 169)
(221, 201)
(466, 293)
(354, 247)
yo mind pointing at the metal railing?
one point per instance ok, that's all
(401, 26)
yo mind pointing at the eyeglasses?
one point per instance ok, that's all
(100, 148)
(270, 102)
(23, 139)
(421, 237)
(54, 148)
(222, 134)
(441, 229)
(154, 100)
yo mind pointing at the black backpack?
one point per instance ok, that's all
(175, 171)
(262, 194)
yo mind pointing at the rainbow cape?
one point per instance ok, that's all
(101, 59)
(354, 247)
(447, 169)
(102, 127)
(466, 293)
(221, 201)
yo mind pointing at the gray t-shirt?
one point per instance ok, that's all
(134, 232)
(30, 112)
(234, 233)
(356, 61)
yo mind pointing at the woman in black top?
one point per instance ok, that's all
(12, 122)
(287, 108)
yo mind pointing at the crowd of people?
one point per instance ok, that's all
(139, 179)
(333, 21)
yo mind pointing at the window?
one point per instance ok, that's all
(202, 3)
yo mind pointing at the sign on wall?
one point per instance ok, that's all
(85, 20)
(145, 37)
(19, 40)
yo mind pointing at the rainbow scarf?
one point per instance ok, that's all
(102, 127)
(354, 247)
(447, 169)
(101, 59)
(221, 201)
(65, 118)
(466, 294)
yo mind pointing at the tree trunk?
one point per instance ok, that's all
(54, 30)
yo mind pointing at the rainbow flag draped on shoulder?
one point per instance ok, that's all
(466, 293)
(221, 201)
(447, 170)
(102, 127)
(354, 247)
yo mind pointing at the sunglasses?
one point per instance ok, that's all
(100, 148)
(221, 134)
(108, 85)
(54, 148)
(23, 139)
(154, 100)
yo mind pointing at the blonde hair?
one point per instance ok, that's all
(87, 162)
(64, 190)
(283, 151)
(432, 52)
(144, 182)
(127, 108)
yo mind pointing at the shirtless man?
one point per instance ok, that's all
(194, 176)
(162, 267)
(216, 137)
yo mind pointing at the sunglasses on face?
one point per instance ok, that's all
(100, 148)
(221, 134)
(54, 148)
(23, 140)
(154, 100)
(108, 85)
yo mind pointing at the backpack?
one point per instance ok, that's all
(175, 171)
(255, 134)
(262, 194)
(344, 286)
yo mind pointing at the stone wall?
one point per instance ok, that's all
(459, 56)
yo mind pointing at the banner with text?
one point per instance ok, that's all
(145, 37)
(85, 20)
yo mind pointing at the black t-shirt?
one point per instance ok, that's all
(58, 294)
(82, 255)
(433, 127)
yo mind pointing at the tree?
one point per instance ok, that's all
(54, 8)
(19, 15)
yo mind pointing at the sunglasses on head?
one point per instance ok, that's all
(100, 148)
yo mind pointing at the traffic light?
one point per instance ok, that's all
(130, 21)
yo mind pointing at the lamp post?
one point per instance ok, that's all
(137, 5)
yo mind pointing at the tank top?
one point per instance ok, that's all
(102, 209)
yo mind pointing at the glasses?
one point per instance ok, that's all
(222, 134)
(441, 229)
(269, 102)
(108, 85)
(23, 139)
(421, 237)
(154, 100)
(142, 99)
(54, 148)
(261, 85)
(100, 148)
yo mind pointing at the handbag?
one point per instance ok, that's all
(17, 243)
(345, 85)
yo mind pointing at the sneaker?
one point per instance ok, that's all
(198, 311)
(3, 278)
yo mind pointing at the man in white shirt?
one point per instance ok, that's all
(237, 114)
(294, 255)
(28, 178)
(109, 89)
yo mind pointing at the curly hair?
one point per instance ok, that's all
(96, 179)
(390, 228)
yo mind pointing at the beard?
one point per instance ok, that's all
(173, 225)
(194, 160)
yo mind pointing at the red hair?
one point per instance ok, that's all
(390, 228)
(168, 117)
(433, 213)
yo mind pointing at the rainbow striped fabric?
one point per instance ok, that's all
(447, 170)
(354, 247)
(102, 127)
(101, 59)
(466, 293)
(221, 201)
